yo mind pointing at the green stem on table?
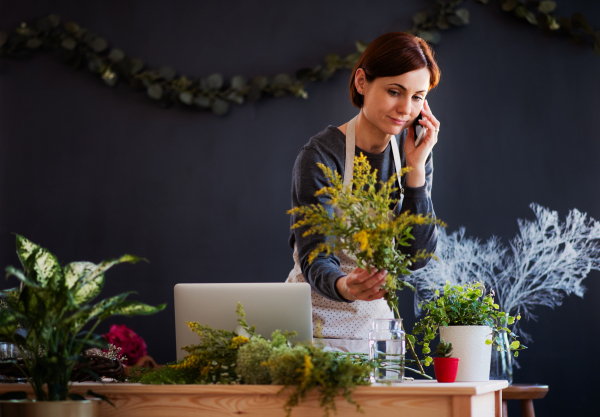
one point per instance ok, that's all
(418, 373)
(411, 348)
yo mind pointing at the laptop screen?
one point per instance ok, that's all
(269, 306)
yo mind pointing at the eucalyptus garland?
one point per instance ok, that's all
(82, 47)
(444, 14)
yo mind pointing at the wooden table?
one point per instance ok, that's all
(525, 393)
(418, 398)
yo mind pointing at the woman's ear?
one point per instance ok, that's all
(360, 80)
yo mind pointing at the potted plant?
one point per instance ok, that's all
(445, 367)
(53, 305)
(548, 259)
(470, 320)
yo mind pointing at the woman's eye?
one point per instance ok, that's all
(418, 98)
(393, 93)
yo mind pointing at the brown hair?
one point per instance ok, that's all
(392, 54)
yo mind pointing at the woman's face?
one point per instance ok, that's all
(393, 103)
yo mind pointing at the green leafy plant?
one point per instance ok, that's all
(444, 349)
(53, 306)
(463, 305)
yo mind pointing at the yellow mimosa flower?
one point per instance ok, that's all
(362, 238)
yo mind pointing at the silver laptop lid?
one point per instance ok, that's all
(269, 306)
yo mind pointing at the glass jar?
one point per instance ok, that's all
(8, 351)
(387, 347)
(502, 360)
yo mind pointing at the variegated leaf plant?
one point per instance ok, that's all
(53, 305)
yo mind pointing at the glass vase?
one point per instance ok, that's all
(501, 367)
(9, 351)
(387, 347)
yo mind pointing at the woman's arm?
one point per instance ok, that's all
(417, 189)
(307, 179)
(418, 201)
(324, 274)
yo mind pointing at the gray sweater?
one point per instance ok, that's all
(329, 148)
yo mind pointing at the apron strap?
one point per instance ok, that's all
(350, 144)
(397, 160)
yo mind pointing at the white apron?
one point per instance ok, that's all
(345, 326)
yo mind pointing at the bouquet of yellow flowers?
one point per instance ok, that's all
(363, 226)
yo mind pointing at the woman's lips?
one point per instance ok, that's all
(398, 121)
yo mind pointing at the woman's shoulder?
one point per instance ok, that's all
(327, 147)
(330, 137)
(328, 143)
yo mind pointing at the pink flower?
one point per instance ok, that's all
(132, 345)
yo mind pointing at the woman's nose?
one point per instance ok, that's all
(404, 107)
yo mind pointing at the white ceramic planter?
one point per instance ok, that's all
(468, 343)
(90, 408)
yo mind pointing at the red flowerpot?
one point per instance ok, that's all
(445, 369)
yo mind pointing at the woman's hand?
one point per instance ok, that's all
(417, 156)
(362, 285)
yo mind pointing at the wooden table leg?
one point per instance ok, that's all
(498, 403)
(527, 408)
(504, 408)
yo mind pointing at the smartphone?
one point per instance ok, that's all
(419, 130)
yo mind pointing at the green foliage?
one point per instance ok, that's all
(440, 15)
(165, 375)
(52, 304)
(444, 349)
(462, 305)
(81, 47)
(446, 14)
(307, 367)
(212, 360)
(541, 14)
(250, 361)
(222, 357)
(251, 330)
(362, 225)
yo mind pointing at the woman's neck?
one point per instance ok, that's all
(369, 137)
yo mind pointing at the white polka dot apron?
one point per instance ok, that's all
(345, 326)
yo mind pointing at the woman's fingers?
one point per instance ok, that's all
(379, 294)
(363, 276)
(431, 136)
(362, 285)
(432, 125)
(430, 115)
(373, 293)
(366, 289)
(374, 281)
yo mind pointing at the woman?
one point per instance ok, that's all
(389, 84)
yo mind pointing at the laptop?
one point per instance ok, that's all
(269, 306)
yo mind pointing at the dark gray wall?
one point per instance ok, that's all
(92, 172)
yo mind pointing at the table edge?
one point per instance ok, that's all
(410, 388)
